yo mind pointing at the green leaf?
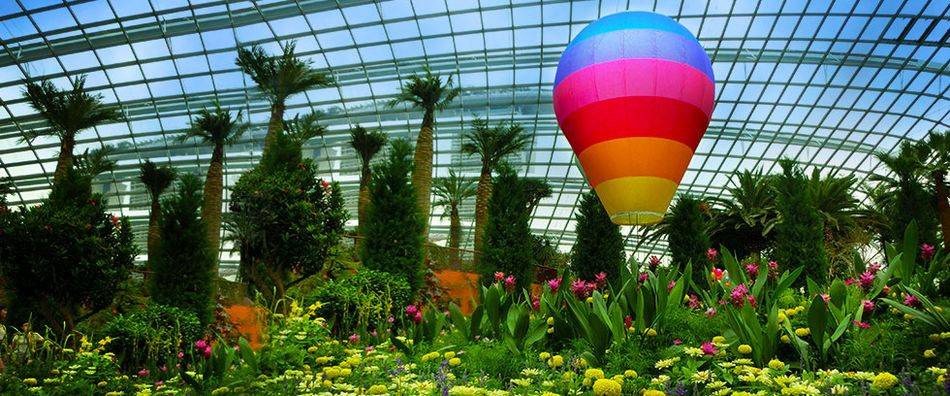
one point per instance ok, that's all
(909, 253)
(838, 293)
(817, 320)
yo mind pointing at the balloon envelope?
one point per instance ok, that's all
(633, 95)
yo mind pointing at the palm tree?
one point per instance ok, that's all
(67, 112)
(427, 92)
(218, 128)
(492, 145)
(840, 211)
(450, 193)
(279, 78)
(367, 144)
(156, 180)
(936, 162)
(744, 220)
(911, 199)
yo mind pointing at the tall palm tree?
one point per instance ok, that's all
(492, 144)
(429, 93)
(936, 163)
(218, 128)
(156, 180)
(450, 193)
(367, 144)
(67, 112)
(279, 78)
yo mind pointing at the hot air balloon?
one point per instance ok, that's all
(633, 95)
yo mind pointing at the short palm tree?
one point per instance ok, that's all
(218, 128)
(744, 220)
(367, 144)
(156, 180)
(451, 192)
(67, 112)
(279, 78)
(492, 144)
(429, 93)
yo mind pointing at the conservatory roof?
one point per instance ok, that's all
(826, 83)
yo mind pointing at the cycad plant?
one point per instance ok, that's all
(367, 144)
(218, 128)
(743, 222)
(492, 144)
(839, 209)
(451, 192)
(67, 112)
(936, 163)
(426, 92)
(156, 180)
(912, 201)
(278, 78)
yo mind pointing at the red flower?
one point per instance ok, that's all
(642, 278)
(752, 269)
(600, 279)
(927, 251)
(677, 341)
(510, 283)
(627, 321)
(712, 254)
(671, 285)
(654, 262)
(717, 273)
(579, 288)
(868, 306)
(536, 304)
(863, 325)
(499, 276)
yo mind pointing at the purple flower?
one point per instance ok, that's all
(554, 284)
(911, 301)
(708, 348)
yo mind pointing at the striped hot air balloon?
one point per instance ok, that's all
(633, 95)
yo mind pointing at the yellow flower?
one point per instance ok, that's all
(650, 332)
(556, 361)
(781, 317)
(802, 331)
(776, 364)
(606, 387)
(884, 380)
(376, 390)
(449, 355)
(745, 349)
(594, 373)
(544, 356)
(455, 361)
(30, 382)
(550, 330)
(429, 356)
(550, 321)
(580, 363)
(719, 340)
(653, 392)
(930, 354)
(785, 339)
(590, 300)
(630, 374)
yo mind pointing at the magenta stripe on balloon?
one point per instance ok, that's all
(634, 77)
(633, 43)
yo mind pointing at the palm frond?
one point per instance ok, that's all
(95, 162)
(281, 76)
(366, 143)
(453, 190)
(67, 111)
(426, 91)
(494, 143)
(216, 126)
(156, 178)
(301, 129)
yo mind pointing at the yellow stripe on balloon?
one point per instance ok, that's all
(652, 195)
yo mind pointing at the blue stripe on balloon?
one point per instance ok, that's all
(631, 20)
(637, 43)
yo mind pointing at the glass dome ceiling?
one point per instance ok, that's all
(826, 83)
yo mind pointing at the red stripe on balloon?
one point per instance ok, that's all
(634, 77)
(634, 116)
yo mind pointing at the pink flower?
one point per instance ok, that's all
(207, 352)
(717, 273)
(418, 317)
(751, 300)
(163, 369)
(201, 344)
(536, 304)
(324, 183)
(642, 278)
(369, 348)
(677, 342)
(159, 384)
(863, 325)
(671, 285)
(849, 281)
(579, 288)
(866, 279)
(710, 312)
(654, 262)
(411, 310)
(693, 302)
(927, 251)
(874, 268)
(868, 306)
(738, 295)
(708, 348)
(627, 321)
(773, 265)
(181, 355)
(510, 283)
(600, 279)
(373, 333)
(499, 276)
(143, 372)
(712, 254)
(752, 269)
(554, 284)
(390, 320)
(825, 297)
(886, 289)
(911, 301)
(354, 338)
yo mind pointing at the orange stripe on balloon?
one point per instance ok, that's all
(636, 200)
(637, 156)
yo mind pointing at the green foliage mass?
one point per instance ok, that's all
(394, 228)
(688, 238)
(361, 301)
(800, 235)
(150, 335)
(599, 245)
(508, 240)
(183, 269)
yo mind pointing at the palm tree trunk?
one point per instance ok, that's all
(363, 203)
(455, 236)
(275, 125)
(422, 167)
(943, 208)
(65, 160)
(154, 234)
(482, 195)
(211, 208)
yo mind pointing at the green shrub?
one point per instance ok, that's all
(394, 227)
(360, 301)
(688, 239)
(495, 361)
(183, 269)
(890, 344)
(294, 342)
(508, 245)
(599, 246)
(800, 236)
(631, 354)
(691, 326)
(154, 333)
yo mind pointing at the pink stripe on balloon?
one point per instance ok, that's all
(634, 77)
